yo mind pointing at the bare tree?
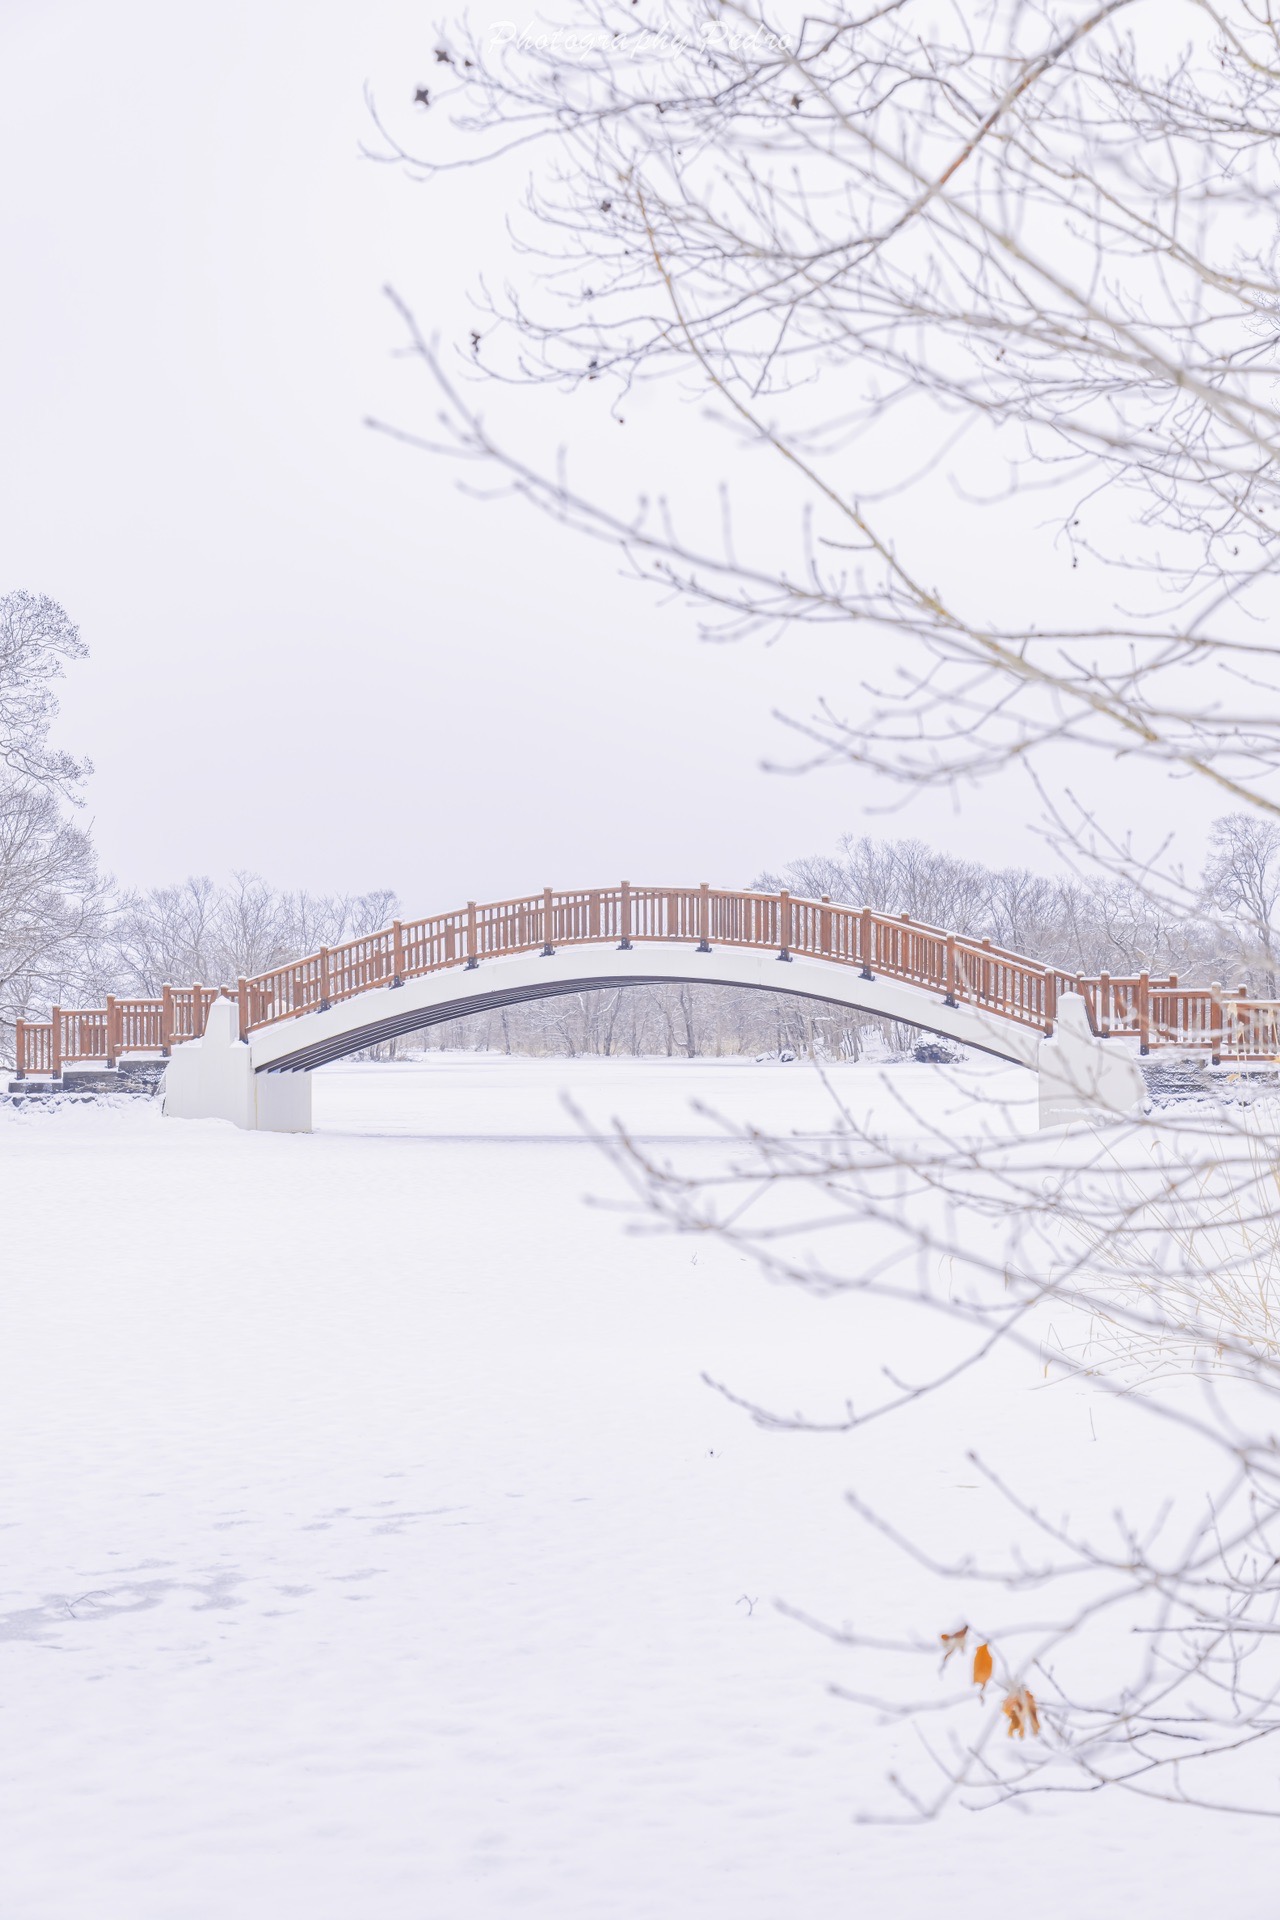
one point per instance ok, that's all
(1241, 888)
(876, 251)
(1145, 1268)
(52, 900)
(904, 264)
(36, 638)
(53, 905)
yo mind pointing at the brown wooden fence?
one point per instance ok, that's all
(1157, 1013)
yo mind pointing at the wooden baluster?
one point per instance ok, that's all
(1144, 1013)
(473, 956)
(242, 1004)
(1104, 1005)
(866, 935)
(548, 925)
(952, 972)
(397, 954)
(166, 1020)
(1215, 1022)
(784, 925)
(624, 945)
(704, 918)
(20, 1050)
(824, 926)
(111, 1030)
(322, 974)
(1050, 1000)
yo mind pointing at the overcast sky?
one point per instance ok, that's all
(311, 656)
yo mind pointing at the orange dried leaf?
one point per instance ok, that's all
(1020, 1711)
(982, 1665)
(953, 1642)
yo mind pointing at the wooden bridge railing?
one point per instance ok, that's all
(1157, 1013)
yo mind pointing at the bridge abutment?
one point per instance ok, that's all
(213, 1079)
(1082, 1077)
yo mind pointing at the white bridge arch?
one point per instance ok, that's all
(317, 1038)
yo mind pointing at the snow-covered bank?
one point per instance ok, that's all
(370, 1545)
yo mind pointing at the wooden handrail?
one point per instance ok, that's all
(959, 969)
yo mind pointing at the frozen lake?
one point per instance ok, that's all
(482, 1096)
(371, 1545)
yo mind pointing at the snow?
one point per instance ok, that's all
(371, 1544)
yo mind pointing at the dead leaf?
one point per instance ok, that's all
(953, 1643)
(1020, 1711)
(982, 1664)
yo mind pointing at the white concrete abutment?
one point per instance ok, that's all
(265, 1082)
(214, 1079)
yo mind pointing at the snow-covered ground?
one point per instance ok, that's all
(371, 1546)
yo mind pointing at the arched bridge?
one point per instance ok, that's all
(280, 1024)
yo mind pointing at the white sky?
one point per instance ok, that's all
(310, 655)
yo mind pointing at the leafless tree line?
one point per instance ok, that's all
(199, 931)
(83, 938)
(1224, 925)
(669, 1020)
